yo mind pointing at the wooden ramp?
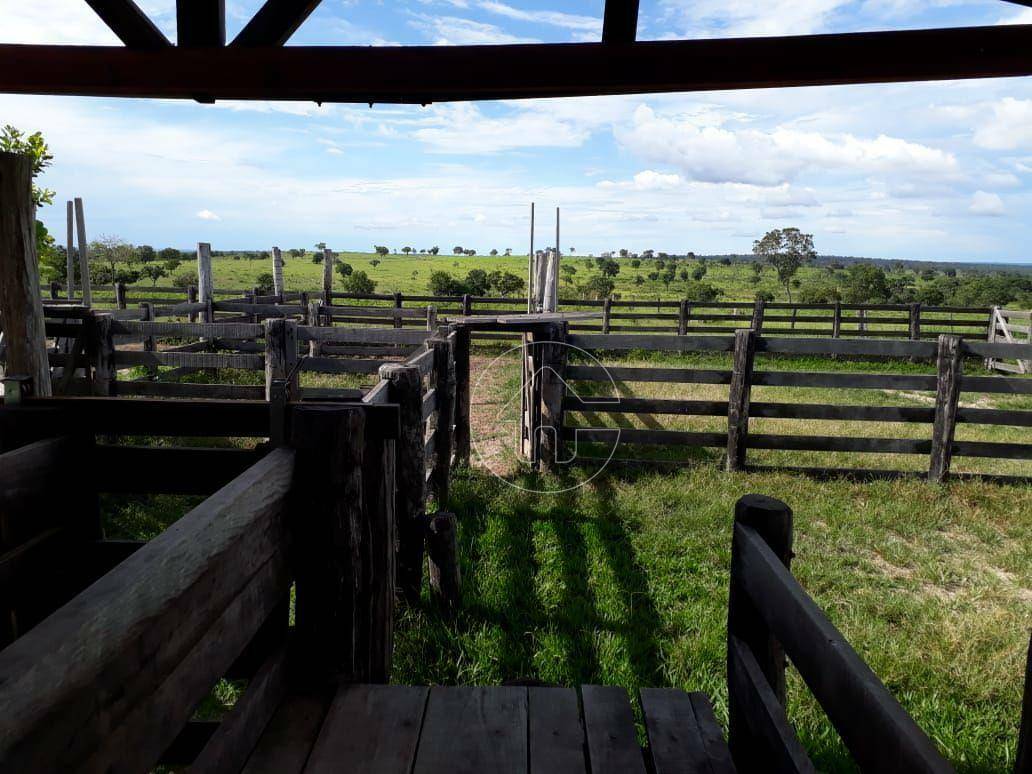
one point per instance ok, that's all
(381, 729)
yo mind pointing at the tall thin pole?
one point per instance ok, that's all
(530, 265)
(84, 256)
(69, 250)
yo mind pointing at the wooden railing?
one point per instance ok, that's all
(770, 616)
(110, 679)
(947, 385)
(1010, 326)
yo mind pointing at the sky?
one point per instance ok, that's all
(939, 171)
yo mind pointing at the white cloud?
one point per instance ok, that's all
(587, 24)
(455, 31)
(1008, 127)
(745, 18)
(208, 215)
(983, 203)
(463, 128)
(717, 154)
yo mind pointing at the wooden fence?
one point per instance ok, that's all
(559, 401)
(1011, 326)
(685, 316)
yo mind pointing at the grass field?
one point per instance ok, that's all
(411, 274)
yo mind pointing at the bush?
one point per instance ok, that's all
(764, 295)
(358, 282)
(184, 279)
(265, 283)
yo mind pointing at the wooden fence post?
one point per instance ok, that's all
(345, 534)
(914, 331)
(312, 320)
(444, 368)
(84, 253)
(1023, 758)
(21, 308)
(947, 394)
(607, 310)
(104, 373)
(120, 295)
(406, 389)
(738, 399)
(431, 318)
(683, 310)
(756, 324)
(191, 298)
(462, 394)
(443, 560)
(772, 519)
(552, 355)
(277, 273)
(149, 345)
(281, 356)
(327, 276)
(836, 321)
(397, 305)
(55, 289)
(70, 251)
(205, 287)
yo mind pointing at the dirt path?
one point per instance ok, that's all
(492, 429)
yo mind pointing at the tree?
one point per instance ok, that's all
(635, 263)
(320, 246)
(477, 283)
(265, 283)
(344, 269)
(358, 282)
(153, 272)
(508, 251)
(444, 284)
(786, 250)
(458, 250)
(494, 251)
(35, 147)
(469, 251)
(406, 249)
(380, 249)
(699, 272)
(145, 253)
(375, 262)
(169, 254)
(506, 283)
(865, 284)
(598, 287)
(111, 257)
(434, 250)
(623, 252)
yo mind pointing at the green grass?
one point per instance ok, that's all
(625, 582)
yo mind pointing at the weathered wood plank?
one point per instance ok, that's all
(878, 732)
(372, 729)
(556, 735)
(361, 335)
(187, 329)
(947, 395)
(190, 359)
(634, 435)
(114, 644)
(712, 735)
(675, 739)
(612, 740)
(287, 741)
(474, 729)
(686, 343)
(231, 745)
(329, 365)
(212, 392)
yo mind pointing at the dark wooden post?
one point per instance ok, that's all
(738, 399)
(397, 305)
(444, 368)
(552, 354)
(277, 273)
(344, 544)
(947, 395)
(255, 295)
(104, 373)
(772, 519)
(120, 295)
(607, 309)
(281, 356)
(149, 345)
(406, 389)
(915, 321)
(55, 289)
(683, 310)
(462, 394)
(757, 315)
(191, 298)
(21, 308)
(836, 321)
(327, 276)
(467, 305)
(443, 560)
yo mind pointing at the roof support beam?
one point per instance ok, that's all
(422, 74)
(620, 21)
(275, 22)
(129, 23)
(201, 23)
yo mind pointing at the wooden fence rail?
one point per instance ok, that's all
(746, 346)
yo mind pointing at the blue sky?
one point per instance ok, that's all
(936, 170)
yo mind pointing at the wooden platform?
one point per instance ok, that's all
(377, 729)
